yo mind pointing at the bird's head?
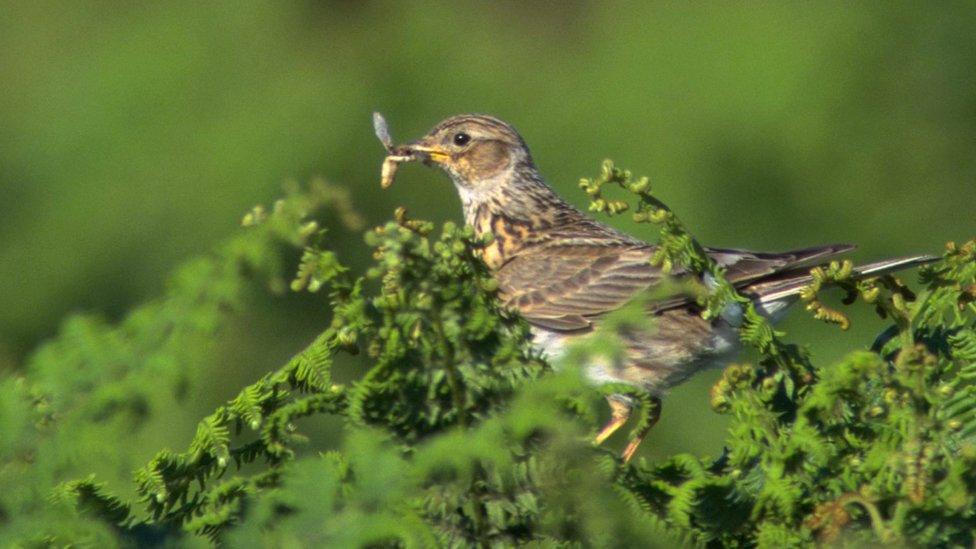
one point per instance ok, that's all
(478, 152)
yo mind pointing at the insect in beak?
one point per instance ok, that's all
(395, 155)
(404, 153)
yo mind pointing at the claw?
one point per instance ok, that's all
(620, 412)
(654, 415)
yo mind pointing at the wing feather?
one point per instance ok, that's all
(569, 286)
(565, 287)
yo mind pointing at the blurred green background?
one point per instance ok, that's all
(134, 135)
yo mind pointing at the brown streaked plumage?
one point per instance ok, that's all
(564, 272)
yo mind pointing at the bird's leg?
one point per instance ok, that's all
(620, 411)
(653, 415)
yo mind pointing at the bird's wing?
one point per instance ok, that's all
(565, 287)
(562, 288)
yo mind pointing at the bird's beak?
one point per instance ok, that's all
(428, 152)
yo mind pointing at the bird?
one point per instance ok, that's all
(564, 272)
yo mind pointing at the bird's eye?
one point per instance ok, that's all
(461, 139)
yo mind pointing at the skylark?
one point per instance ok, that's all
(563, 271)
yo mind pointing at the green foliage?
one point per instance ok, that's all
(100, 388)
(457, 433)
(882, 440)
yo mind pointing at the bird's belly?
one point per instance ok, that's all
(553, 345)
(650, 363)
(677, 346)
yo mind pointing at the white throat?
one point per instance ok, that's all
(473, 196)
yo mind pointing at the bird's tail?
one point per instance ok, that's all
(783, 287)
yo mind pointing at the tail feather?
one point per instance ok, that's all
(784, 287)
(744, 266)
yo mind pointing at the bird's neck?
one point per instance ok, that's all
(517, 210)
